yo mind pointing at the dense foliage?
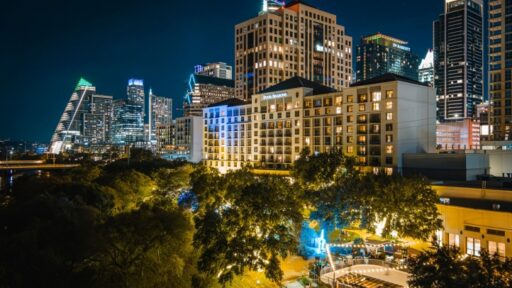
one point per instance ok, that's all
(338, 191)
(445, 267)
(120, 225)
(96, 227)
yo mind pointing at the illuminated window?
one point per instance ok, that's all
(389, 116)
(350, 99)
(376, 96)
(350, 108)
(388, 171)
(350, 129)
(473, 246)
(389, 149)
(350, 149)
(389, 105)
(454, 240)
(361, 139)
(496, 248)
(389, 94)
(362, 107)
(389, 138)
(376, 106)
(338, 110)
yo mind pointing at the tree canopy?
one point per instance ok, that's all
(445, 267)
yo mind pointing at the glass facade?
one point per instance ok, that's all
(85, 122)
(128, 127)
(379, 54)
(458, 59)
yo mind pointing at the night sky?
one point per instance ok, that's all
(47, 45)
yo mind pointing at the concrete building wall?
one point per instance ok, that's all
(416, 119)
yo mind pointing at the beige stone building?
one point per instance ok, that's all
(296, 39)
(476, 218)
(376, 121)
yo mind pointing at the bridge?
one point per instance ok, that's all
(33, 165)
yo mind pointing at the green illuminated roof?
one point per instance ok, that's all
(82, 82)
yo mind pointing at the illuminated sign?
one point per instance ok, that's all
(401, 47)
(274, 96)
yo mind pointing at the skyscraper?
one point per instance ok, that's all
(160, 114)
(500, 69)
(379, 54)
(426, 69)
(295, 39)
(85, 122)
(128, 127)
(217, 70)
(203, 91)
(458, 59)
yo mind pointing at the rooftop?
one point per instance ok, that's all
(295, 2)
(201, 79)
(380, 36)
(231, 102)
(83, 83)
(298, 82)
(388, 77)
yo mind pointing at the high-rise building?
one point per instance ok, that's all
(217, 70)
(426, 69)
(295, 39)
(203, 91)
(379, 54)
(458, 59)
(500, 69)
(85, 122)
(128, 126)
(160, 114)
(272, 5)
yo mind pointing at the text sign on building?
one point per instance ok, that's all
(275, 96)
(401, 47)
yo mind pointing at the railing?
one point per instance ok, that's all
(328, 279)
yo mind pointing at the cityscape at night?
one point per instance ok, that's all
(263, 143)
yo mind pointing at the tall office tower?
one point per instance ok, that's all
(128, 127)
(97, 122)
(217, 70)
(160, 114)
(500, 69)
(68, 130)
(295, 40)
(85, 121)
(379, 54)
(203, 91)
(458, 59)
(426, 69)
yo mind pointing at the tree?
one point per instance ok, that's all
(147, 247)
(405, 205)
(171, 182)
(444, 267)
(317, 170)
(249, 225)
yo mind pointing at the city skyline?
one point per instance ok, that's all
(101, 50)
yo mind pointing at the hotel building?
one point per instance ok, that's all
(295, 39)
(376, 121)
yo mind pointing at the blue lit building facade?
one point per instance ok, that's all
(379, 54)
